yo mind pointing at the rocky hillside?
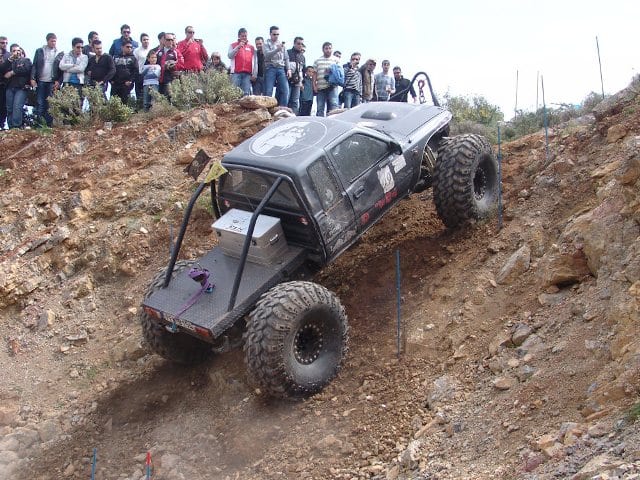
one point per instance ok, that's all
(521, 347)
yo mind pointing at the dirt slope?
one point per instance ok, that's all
(521, 349)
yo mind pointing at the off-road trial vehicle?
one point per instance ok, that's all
(296, 195)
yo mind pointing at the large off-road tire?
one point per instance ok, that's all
(296, 339)
(465, 183)
(177, 347)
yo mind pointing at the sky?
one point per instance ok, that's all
(467, 47)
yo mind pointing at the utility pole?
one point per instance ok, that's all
(600, 64)
(537, 88)
(515, 109)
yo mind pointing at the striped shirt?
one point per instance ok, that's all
(322, 68)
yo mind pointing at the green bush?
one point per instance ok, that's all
(160, 106)
(473, 115)
(204, 88)
(66, 108)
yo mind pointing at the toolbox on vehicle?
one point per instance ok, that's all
(268, 244)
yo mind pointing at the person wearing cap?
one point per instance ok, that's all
(368, 80)
(297, 65)
(216, 64)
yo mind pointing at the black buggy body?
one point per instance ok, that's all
(296, 195)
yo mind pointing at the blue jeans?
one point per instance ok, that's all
(148, 99)
(258, 86)
(16, 97)
(351, 98)
(276, 76)
(242, 81)
(294, 98)
(43, 92)
(328, 97)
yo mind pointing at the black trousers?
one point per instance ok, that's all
(3, 105)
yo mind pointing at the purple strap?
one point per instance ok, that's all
(200, 275)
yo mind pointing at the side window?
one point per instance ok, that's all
(324, 183)
(356, 154)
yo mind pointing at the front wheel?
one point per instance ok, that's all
(296, 339)
(465, 185)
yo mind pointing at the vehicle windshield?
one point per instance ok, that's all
(253, 186)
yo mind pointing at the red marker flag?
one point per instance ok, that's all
(148, 465)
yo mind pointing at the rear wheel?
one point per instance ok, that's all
(177, 347)
(465, 185)
(296, 339)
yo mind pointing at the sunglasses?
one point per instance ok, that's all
(191, 31)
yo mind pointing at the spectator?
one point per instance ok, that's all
(327, 95)
(244, 62)
(193, 51)
(141, 57)
(297, 65)
(43, 77)
(88, 48)
(403, 87)
(17, 74)
(4, 55)
(125, 35)
(151, 78)
(352, 92)
(385, 85)
(368, 80)
(217, 64)
(160, 42)
(126, 72)
(258, 83)
(73, 64)
(100, 68)
(170, 61)
(276, 67)
(306, 95)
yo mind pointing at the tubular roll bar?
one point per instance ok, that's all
(247, 241)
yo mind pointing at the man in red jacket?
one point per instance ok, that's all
(193, 51)
(171, 62)
(244, 62)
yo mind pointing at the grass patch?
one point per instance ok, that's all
(634, 412)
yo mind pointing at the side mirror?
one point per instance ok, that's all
(394, 147)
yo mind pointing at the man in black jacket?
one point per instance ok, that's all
(100, 69)
(403, 87)
(297, 64)
(4, 55)
(43, 77)
(126, 72)
(17, 73)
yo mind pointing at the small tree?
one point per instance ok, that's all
(473, 115)
(203, 88)
(66, 107)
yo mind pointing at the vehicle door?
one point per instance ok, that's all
(335, 216)
(374, 175)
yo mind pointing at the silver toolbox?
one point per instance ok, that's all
(267, 243)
